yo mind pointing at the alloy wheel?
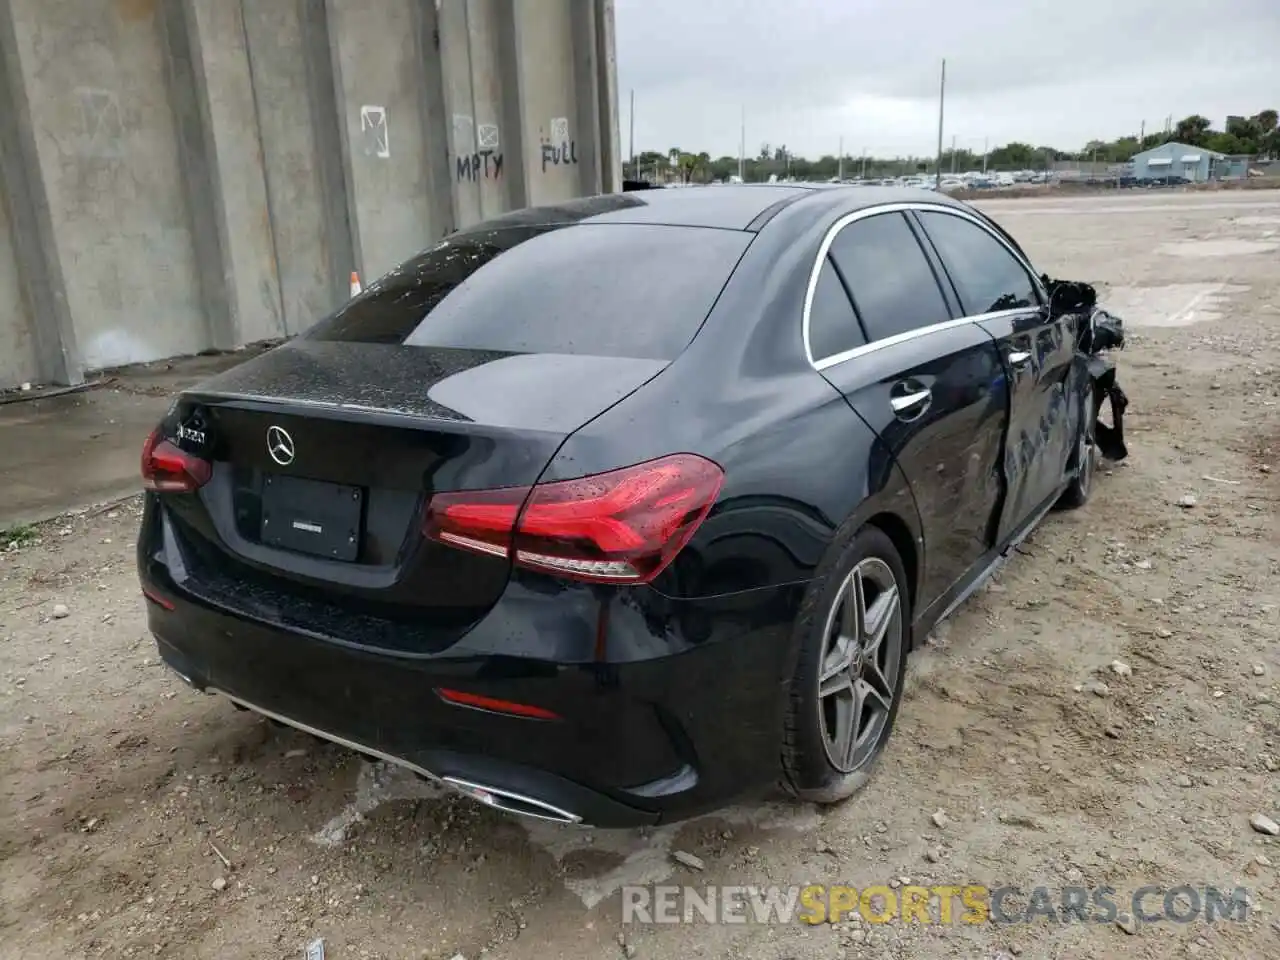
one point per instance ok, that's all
(862, 654)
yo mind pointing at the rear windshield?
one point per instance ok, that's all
(615, 290)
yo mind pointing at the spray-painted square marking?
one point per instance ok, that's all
(559, 129)
(100, 123)
(487, 134)
(464, 133)
(373, 124)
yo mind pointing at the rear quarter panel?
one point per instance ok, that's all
(799, 464)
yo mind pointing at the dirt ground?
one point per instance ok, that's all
(121, 791)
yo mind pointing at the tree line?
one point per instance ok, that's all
(1257, 135)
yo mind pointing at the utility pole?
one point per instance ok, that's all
(953, 153)
(635, 170)
(864, 163)
(742, 145)
(986, 149)
(942, 98)
(840, 164)
(1142, 136)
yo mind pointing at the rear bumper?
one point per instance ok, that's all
(525, 791)
(654, 738)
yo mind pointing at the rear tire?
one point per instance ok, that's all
(853, 631)
(1077, 493)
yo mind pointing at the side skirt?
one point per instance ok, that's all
(981, 572)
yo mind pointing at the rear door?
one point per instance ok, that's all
(882, 329)
(997, 289)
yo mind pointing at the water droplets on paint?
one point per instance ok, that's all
(1206, 249)
(1171, 305)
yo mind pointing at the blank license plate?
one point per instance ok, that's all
(309, 516)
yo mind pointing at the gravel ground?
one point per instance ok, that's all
(1103, 713)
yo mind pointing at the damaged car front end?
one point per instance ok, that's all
(1102, 333)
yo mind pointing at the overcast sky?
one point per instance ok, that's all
(1057, 74)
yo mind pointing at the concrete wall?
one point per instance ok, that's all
(294, 179)
(177, 175)
(95, 80)
(18, 356)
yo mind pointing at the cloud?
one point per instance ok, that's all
(808, 72)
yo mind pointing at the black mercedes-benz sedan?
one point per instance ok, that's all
(611, 511)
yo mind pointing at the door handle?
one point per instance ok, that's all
(1019, 357)
(911, 403)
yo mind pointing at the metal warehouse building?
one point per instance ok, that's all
(1177, 160)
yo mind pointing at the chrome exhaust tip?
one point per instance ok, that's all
(510, 802)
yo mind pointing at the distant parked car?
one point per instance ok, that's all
(611, 510)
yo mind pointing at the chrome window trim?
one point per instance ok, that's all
(824, 248)
(838, 358)
(1013, 251)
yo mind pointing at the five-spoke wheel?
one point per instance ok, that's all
(857, 685)
(854, 636)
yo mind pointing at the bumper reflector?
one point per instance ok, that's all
(460, 698)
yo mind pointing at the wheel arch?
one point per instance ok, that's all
(897, 530)
(891, 509)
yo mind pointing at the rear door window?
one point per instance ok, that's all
(618, 290)
(986, 275)
(891, 282)
(833, 326)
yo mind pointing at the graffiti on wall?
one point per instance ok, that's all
(478, 150)
(101, 126)
(373, 127)
(559, 149)
(481, 165)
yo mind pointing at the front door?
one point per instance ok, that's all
(998, 290)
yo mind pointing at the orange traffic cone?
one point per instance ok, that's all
(355, 284)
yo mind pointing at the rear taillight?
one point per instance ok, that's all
(168, 469)
(623, 526)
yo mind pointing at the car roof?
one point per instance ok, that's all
(853, 198)
(721, 206)
(725, 207)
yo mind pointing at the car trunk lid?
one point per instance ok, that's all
(325, 454)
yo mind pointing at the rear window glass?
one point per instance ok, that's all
(604, 290)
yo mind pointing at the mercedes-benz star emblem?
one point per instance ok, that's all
(280, 445)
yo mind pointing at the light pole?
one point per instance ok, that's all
(942, 97)
(742, 145)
